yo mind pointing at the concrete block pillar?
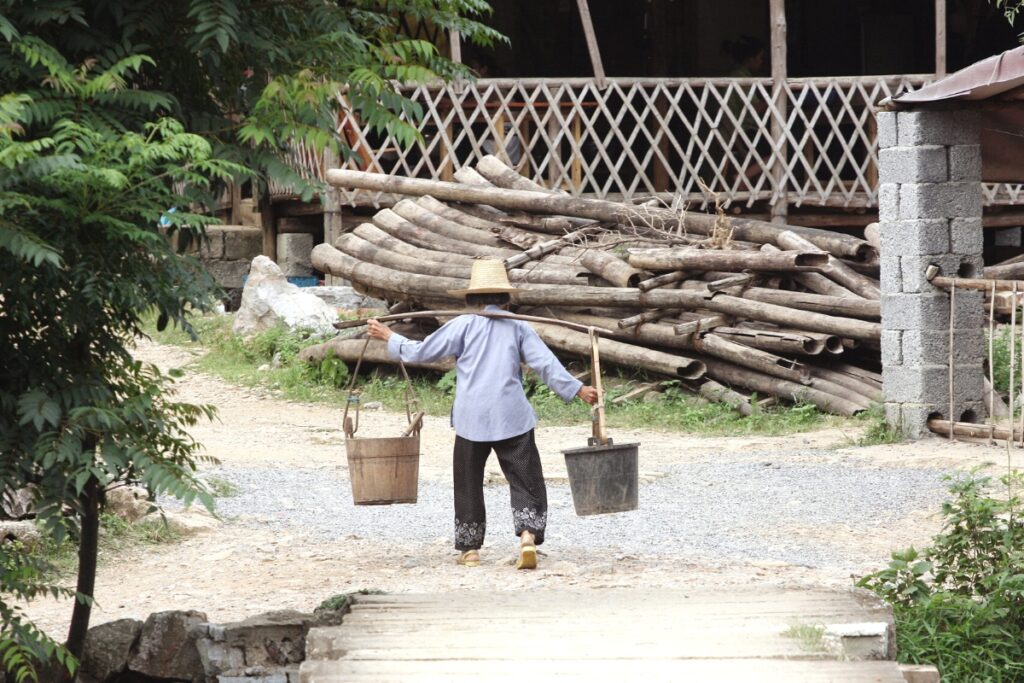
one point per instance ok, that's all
(930, 205)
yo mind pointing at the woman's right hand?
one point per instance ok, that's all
(378, 330)
(588, 394)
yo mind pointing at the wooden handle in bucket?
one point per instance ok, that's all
(600, 433)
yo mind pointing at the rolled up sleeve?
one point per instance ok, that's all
(541, 360)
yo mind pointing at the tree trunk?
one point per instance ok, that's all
(88, 551)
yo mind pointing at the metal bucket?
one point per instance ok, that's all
(384, 471)
(604, 479)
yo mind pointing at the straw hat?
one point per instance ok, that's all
(488, 276)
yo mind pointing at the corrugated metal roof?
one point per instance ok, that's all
(996, 86)
(1000, 76)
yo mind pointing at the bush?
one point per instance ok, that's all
(959, 603)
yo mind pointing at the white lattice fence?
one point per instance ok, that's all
(638, 137)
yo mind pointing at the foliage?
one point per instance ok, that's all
(250, 78)
(959, 603)
(1001, 359)
(1011, 8)
(112, 114)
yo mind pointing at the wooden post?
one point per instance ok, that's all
(455, 40)
(595, 53)
(940, 39)
(333, 226)
(269, 226)
(235, 217)
(780, 206)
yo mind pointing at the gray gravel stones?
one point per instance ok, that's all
(775, 506)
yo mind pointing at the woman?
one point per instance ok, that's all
(491, 411)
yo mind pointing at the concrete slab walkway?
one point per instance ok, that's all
(614, 635)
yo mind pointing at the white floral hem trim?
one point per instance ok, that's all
(469, 534)
(529, 518)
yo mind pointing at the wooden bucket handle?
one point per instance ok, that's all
(412, 402)
(600, 433)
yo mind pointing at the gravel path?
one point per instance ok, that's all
(756, 507)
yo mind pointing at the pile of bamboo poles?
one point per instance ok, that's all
(728, 306)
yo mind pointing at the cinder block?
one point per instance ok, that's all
(939, 200)
(293, 254)
(891, 274)
(910, 418)
(915, 311)
(931, 347)
(921, 164)
(964, 162)
(242, 242)
(914, 383)
(1007, 237)
(885, 122)
(228, 274)
(892, 347)
(950, 265)
(967, 237)
(925, 236)
(938, 128)
(888, 204)
(212, 244)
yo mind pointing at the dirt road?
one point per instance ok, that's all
(785, 511)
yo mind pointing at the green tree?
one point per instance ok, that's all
(111, 113)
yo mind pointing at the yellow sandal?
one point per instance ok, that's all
(470, 558)
(527, 557)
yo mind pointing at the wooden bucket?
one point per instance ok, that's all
(383, 471)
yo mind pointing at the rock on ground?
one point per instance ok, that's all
(108, 646)
(269, 299)
(167, 649)
(130, 503)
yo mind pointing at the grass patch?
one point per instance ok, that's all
(117, 537)
(811, 637)
(239, 360)
(878, 431)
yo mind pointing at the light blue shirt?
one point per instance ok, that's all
(490, 404)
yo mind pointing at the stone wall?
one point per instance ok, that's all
(930, 207)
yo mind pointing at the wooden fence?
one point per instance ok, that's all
(809, 143)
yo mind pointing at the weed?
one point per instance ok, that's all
(878, 431)
(959, 603)
(811, 637)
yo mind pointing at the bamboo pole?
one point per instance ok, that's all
(835, 269)
(708, 345)
(592, 48)
(621, 353)
(722, 260)
(713, 391)
(776, 342)
(663, 280)
(972, 430)
(952, 325)
(533, 201)
(816, 282)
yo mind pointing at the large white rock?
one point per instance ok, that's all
(268, 299)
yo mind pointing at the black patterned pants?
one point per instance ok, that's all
(520, 463)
